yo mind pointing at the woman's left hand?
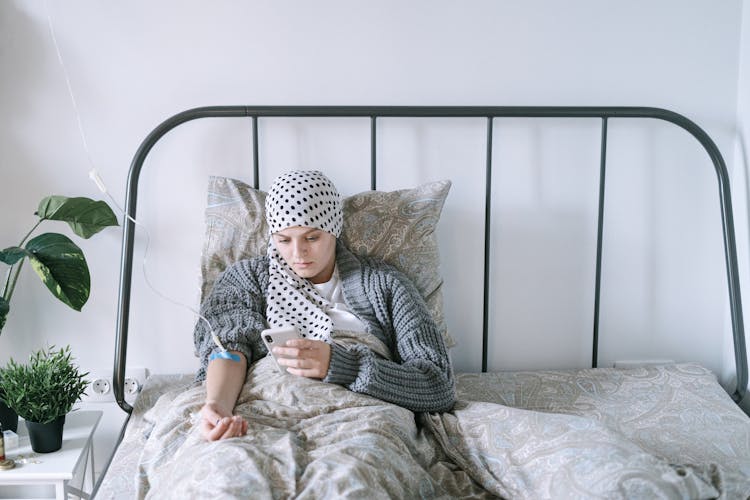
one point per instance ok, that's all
(305, 357)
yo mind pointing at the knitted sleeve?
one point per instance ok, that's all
(235, 308)
(420, 377)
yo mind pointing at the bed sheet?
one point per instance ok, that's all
(661, 430)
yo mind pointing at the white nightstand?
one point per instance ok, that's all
(50, 474)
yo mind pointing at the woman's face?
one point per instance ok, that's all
(310, 252)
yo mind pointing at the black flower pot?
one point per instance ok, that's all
(8, 417)
(46, 438)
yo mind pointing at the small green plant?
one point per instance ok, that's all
(45, 388)
(54, 257)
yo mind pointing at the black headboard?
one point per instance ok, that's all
(489, 113)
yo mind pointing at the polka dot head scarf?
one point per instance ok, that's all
(309, 199)
(304, 198)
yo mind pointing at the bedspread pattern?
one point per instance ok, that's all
(307, 439)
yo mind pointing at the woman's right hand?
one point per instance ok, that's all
(219, 423)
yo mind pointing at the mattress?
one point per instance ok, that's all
(667, 430)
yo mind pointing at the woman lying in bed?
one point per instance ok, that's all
(363, 324)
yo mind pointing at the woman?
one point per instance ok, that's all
(364, 325)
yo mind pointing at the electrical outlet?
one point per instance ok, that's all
(131, 386)
(101, 389)
(100, 386)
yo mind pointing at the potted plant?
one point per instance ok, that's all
(55, 258)
(43, 391)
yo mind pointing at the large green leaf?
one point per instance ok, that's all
(11, 255)
(62, 267)
(85, 216)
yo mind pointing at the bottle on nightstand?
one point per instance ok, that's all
(4, 464)
(10, 439)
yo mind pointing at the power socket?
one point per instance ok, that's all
(101, 389)
(131, 386)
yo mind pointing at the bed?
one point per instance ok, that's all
(655, 431)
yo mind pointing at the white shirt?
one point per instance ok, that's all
(347, 328)
(343, 319)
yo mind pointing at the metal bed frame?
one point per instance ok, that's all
(488, 113)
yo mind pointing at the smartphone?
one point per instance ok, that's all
(273, 337)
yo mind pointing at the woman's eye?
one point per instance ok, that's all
(312, 238)
(282, 241)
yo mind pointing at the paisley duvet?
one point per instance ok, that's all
(656, 432)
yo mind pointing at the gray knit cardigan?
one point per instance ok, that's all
(419, 378)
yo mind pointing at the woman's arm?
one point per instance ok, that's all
(235, 311)
(420, 378)
(418, 383)
(224, 380)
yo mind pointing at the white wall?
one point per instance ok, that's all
(134, 64)
(740, 177)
